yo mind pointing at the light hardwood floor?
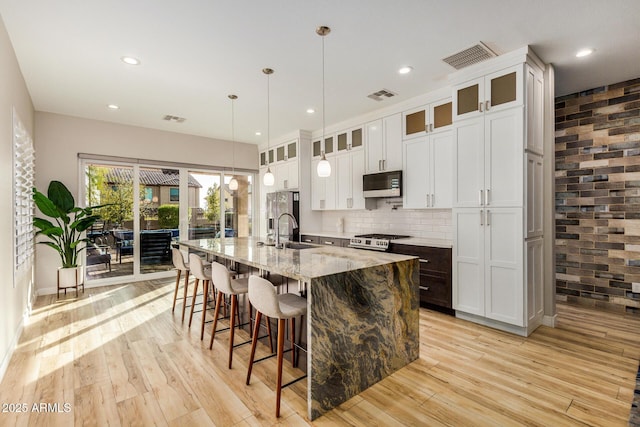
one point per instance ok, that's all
(118, 356)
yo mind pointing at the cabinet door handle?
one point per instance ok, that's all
(430, 127)
(286, 183)
(423, 288)
(433, 200)
(379, 165)
(327, 242)
(427, 200)
(384, 164)
(488, 217)
(425, 261)
(308, 241)
(486, 105)
(480, 107)
(480, 194)
(488, 197)
(481, 215)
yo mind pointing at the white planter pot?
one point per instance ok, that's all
(70, 278)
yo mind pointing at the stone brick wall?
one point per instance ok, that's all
(597, 148)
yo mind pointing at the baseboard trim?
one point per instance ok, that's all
(550, 320)
(13, 345)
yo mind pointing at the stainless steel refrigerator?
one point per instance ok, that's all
(278, 203)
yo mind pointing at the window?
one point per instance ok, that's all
(148, 193)
(23, 176)
(174, 194)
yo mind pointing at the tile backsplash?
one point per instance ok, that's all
(424, 223)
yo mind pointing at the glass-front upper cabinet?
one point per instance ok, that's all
(328, 145)
(271, 156)
(343, 143)
(356, 137)
(493, 92)
(441, 116)
(349, 139)
(316, 148)
(426, 119)
(292, 150)
(280, 154)
(263, 158)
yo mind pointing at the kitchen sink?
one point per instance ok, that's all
(296, 245)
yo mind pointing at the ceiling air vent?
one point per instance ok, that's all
(470, 56)
(171, 118)
(381, 95)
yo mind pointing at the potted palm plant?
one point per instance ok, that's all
(65, 233)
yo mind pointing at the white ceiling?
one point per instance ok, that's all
(196, 52)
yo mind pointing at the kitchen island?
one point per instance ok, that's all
(362, 311)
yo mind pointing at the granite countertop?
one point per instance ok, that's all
(300, 264)
(417, 241)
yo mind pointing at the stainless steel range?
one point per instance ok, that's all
(375, 241)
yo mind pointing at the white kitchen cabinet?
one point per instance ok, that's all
(504, 279)
(534, 94)
(534, 275)
(488, 266)
(468, 261)
(349, 171)
(286, 175)
(323, 190)
(384, 144)
(498, 196)
(427, 175)
(493, 92)
(431, 118)
(488, 166)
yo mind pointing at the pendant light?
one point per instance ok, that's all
(268, 179)
(233, 184)
(324, 167)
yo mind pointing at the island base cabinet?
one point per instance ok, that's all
(435, 274)
(488, 277)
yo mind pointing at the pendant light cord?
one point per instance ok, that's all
(323, 95)
(233, 137)
(268, 121)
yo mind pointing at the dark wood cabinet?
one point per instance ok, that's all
(330, 241)
(435, 274)
(305, 238)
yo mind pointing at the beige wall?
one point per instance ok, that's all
(60, 138)
(14, 301)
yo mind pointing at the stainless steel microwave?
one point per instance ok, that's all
(383, 184)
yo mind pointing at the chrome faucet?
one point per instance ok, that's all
(295, 225)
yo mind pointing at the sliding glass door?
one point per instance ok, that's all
(149, 208)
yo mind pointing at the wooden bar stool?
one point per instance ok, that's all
(226, 285)
(180, 265)
(201, 273)
(263, 296)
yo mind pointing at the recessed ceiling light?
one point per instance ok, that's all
(310, 110)
(113, 107)
(584, 52)
(130, 60)
(405, 70)
(258, 133)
